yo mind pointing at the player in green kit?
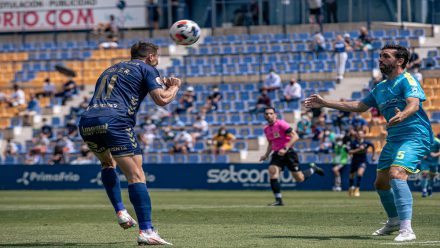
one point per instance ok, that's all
(340, 159)
(429, 168)
(399, 98)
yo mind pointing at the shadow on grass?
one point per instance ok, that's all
(316, 237)
(61, 244)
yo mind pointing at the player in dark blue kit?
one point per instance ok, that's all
(107, 128)
(358, 148)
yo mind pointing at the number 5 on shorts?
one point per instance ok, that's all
(400, 154)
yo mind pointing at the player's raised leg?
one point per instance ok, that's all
(386, 195)
(110, 180)
(139, 197)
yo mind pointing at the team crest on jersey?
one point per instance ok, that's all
(159, 80)
(276, 134)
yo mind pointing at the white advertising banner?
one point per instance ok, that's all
(29, 15)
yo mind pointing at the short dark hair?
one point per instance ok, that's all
(142, 49)
(267, 108)
(401, 53)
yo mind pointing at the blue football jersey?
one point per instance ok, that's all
(121, 88)
(389, 94)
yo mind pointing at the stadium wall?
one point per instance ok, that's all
(173, 176)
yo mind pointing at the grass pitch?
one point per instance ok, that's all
(209, 219)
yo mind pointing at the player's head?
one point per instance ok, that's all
(360, 135)
(270, 114)
(145, 51)
(392, 58)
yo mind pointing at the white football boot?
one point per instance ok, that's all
(125, 220)
(405, 235)
(151, 238)
(387, 229)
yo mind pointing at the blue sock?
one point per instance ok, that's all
(424, 183)
(402, 198)
(140, 199)
(110, 180)
(387, 199)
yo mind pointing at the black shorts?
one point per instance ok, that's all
(355, 165)
(289, 160)
(316, 11)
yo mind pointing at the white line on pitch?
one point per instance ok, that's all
(427, 243)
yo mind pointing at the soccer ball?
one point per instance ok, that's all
(185, 32)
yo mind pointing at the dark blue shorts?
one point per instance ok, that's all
(102, 133)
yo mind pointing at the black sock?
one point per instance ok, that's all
(351, 182)
(358, 182)
(308, 172)
(276, 188)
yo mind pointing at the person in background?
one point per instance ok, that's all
(153, 14)
(183, 142)
(212, 101)
(414, 60)
(263, 101)
(48, 89)
(340, 57)
(272, 81)
(364, 40)
(340, 159)
(315, 12)
(292, 91)
(222, 141)
(332, 11)
(349, 43)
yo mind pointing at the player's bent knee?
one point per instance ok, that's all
(397, 173)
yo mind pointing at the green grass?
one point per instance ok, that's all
(208, 219)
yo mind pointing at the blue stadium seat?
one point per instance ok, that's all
(208, 158)
(199, 146)
(167, 159)
(435, 117)
(152, 159)
(56, 121)
(258, 131)
(194, 158)
(300, 146)
(235, 119)
(325, 158)
(356, 95)
(180, 158)
(404, 33)
(416, 33)
(311, 158)
(221, 159)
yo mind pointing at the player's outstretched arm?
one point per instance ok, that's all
(164, 96)
(316, 101)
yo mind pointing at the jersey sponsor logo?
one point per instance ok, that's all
(102, 105)
(100, 129)
(118, 148)
(29, 177)
(391, 101)
(94, 147)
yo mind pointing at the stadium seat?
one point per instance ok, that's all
(167, 159)
(152, 159)
(208, 158)
(221, 159)
(194, 159)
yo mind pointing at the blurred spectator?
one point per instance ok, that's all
(415, 71)
(414, 59)
(48, 89)
(318, 42)
(332, 11)
(11, 148)
(200, 128)
(318, 128)
(326, 141)
(40, 144)
(69, 89)
(158, 114)
(33, 108)
(17, 98)
(183, 142)
(72, 129)
(340, 57)
(304, 127)
(111, 27)
(340, 159)
(58, 156)
(110, 42)
(364, 40)
(359, 123)
(263, 101)
(3, 97)
(77, 111)
(169, 132)
(222, 141)
(272, 81)
(341, 120)
(32, 158)
(153, 12)
(147, 134)
(187, 101)
(292, 91)
(86, 157)
(315, 14)
(212, 101)
(349, 43)
(46, 129)
(254, 12)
